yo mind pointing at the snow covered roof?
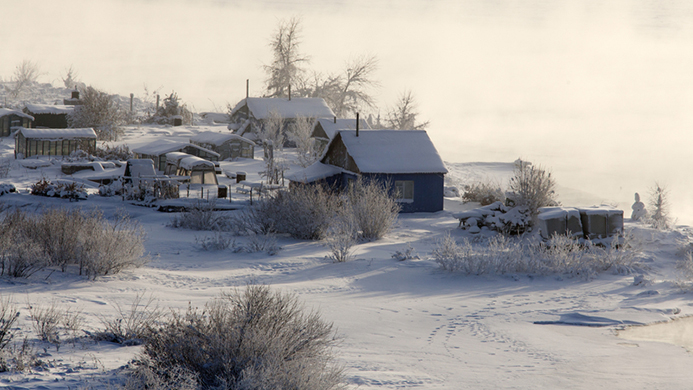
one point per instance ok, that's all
(7, 111)
(332, 126)
(57, 109)
(193, 162)
(392, 151)
(317, 171)
(163, 146)
(140, 168)
(260, 108)
(48, 134)
(175, 157)
(218, 139)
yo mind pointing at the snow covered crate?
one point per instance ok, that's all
(601, 222)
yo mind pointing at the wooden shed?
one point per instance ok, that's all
(11, 120)
(52, 142)
(156, 151)
(227, 145)
(403, 160)
(45, 115)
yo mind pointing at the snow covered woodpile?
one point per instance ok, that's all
(13, 119)
(52, 142)
(406, 161)
(325, 129)
(560, 220)
(227, 145)
(601, 222)
(156, 151)
(250, 114)
(497, 217)
(51, 116)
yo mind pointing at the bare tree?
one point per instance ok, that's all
(286, 61)
(272, 136)
(357, 79)
(70, 79)
(404, 115)
(25, 74)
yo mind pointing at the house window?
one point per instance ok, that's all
(404, 190)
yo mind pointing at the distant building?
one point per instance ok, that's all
(250, 115)
(227, 145)
(54, 117)
(156, 151)
(325, 129)
(52, 142)
(404, 160)
(13, 119)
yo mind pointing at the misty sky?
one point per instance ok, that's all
(600, 93)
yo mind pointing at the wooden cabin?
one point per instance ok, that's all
(11, 120)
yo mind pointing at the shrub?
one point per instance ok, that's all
(100, 111)
(483, 192)
(8, 316)
(72, 191)
(560, 256)
(202, 216)
(532, 186)
(216, 242)
(262, 243)
(132, 326)
(117, 153)
(407, 254)
(341, 238)
(257, 339)
(373, 209)
(46, 321)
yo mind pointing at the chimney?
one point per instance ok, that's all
(357, 124)
(75, 94)
(289, 91)
(132, 96)
(335, 119)
(247, 88)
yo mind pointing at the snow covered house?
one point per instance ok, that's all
(12, 119)
(325, 129)
(404, 160)
(156, 151)
(251, 114)
(52, 142)
(227, 145)
(54, 117)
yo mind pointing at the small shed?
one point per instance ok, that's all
(12, 119)
(45, 115)
(156, 151)
(52, 142)
(200, 171)
(406, 161)
(250, 115)
(227, 145)
(325, 129)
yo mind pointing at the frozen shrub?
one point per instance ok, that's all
(202, 216)
(117, 153)
(216, 242)
(659, 204)
(341, 238)
(72, 191)
(20, 254)
(483, 192)
(262, 243)
(407, 254)
(8, 316)
(5, 165)
(257, 339)
(131, 326)
(373, 209)
(532, 186)
(46, 321)
(100, 111)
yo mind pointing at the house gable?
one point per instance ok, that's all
(338, 155)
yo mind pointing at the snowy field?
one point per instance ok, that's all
(403, 324)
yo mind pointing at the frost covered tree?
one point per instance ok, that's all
(299, 134)
(100, 111)
(532, 186)
(25, 74)
(287, 61)
(659, 203)
(404, 115)
(271, 134)
(70, 79)
(170, 108)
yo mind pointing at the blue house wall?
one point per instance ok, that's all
(428, 190)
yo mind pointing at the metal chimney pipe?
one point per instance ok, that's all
(335, 119)
(357, 124)
(247, 88)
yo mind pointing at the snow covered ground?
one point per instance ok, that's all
(404, 324)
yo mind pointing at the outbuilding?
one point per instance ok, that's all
(325, 129)
(156, 151)
(52, 142)
(11, 120)
(45, 115)
(405, 161)
(227, 145)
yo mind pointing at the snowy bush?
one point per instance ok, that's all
(341, 238)
(659, 204)
(216, 242)
(497, 217)
(5, 165)
(372, 208)
(502, 255)
(132, 326)
(113, 153)
(262, 243)
(257, 339)
(202, 216)
(532, 186)
(148, 190)
(100, 111)
(58, 237)
(407, 254)
(170, 109)
(46, 321)
(485, 193)
(60, 190)
(8, 316)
